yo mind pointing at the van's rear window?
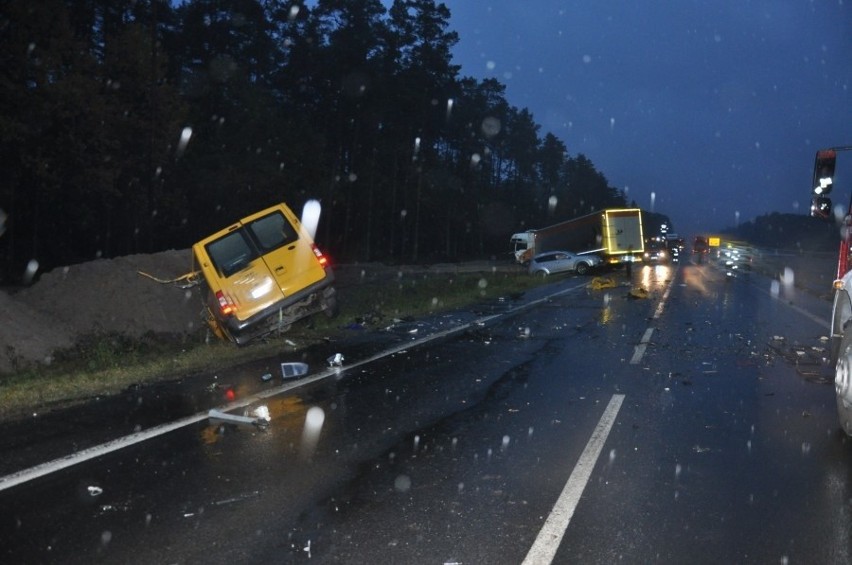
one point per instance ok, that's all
(231, 253)
(272, 231)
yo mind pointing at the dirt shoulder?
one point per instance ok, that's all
(110, 296)
(101, 296)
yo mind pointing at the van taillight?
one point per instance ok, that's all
(323, 260)
(225, 305)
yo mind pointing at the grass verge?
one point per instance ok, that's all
(102, 365)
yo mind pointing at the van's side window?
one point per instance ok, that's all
(273, 231)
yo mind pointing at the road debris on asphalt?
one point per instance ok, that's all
(258, 421)
(810, 362)
(637, 293)
(599, 283)
(335, 360)
(292, 370)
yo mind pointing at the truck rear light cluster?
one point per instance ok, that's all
(226, 306)
(323, 260)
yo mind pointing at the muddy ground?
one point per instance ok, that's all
(105, 296)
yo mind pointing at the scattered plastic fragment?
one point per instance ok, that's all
(638, 293)
(291, 370)
(335, 360)
(262, 413)
(214, 414)
(599, 283)
(266, 377)
(95, 490)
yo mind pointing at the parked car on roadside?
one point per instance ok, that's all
(553, 262)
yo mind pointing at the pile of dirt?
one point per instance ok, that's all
(105, 296)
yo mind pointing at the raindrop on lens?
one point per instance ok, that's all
(314, 418)
(775, 289)
(310, 216)
(29, 273)
(402, 483)
(185, 135)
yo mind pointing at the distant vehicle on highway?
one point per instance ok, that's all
(655, 251)
(700, 246)
(553, 262)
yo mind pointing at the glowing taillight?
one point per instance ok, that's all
(225, 306)
(323, 260)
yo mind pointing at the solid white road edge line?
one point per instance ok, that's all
(549, 537)
(26, 475)
(786, 302)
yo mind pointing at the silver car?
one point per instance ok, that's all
(552, 262)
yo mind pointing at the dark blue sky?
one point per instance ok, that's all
(709, 111)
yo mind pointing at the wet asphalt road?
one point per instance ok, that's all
(696, 425)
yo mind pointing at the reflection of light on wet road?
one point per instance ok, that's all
(655, 275)
(606, 311)
(694, 277)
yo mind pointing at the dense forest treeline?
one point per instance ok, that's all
(789, 232)
(133, 126)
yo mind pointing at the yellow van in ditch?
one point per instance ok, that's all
(261, 274)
